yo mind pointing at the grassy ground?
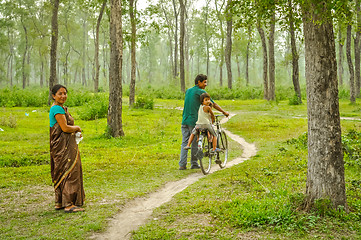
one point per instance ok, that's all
(257, 199)
(260, 198)
(115, 170)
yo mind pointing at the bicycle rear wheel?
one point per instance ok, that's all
(223, 145)
(205, 157)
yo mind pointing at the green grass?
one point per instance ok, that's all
(260, 198)
(115, 170)
(257, 199)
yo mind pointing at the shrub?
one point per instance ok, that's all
(145, 102)
(351, 144)
(294, 100)
(9, 122)
(95, 108)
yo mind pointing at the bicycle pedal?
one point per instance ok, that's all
(218, 161)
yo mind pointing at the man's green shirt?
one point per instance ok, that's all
(191, 105)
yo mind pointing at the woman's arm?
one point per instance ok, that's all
(60, 118)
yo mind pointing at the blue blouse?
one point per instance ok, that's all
(56, 109)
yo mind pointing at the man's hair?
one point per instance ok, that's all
(203, 96)
(200, 78)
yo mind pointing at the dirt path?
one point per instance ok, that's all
(138, 211)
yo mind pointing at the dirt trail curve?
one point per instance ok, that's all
(138, 211)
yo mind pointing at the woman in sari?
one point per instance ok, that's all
(66, 169)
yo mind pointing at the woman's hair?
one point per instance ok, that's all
(56, 88)
(203, 96)
(200, 78)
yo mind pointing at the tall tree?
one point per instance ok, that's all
(181, 44)
(350, 64)
(176, 13)
(96, 54)
(325, 172)
(357, 49)
(295, 57)
(132, 10)
(229, 43)
(271, 55)
(219, 10)
(340, 55)
(115, 126)
(54, 45)
(207, 35)
(265, 62)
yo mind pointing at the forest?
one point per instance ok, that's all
(287, 70)
(211, 44)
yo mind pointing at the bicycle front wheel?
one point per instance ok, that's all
(223, 145)
(205, 161)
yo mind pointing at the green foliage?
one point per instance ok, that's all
(299, 142)
(257, 212)
(144, 101)
(78, 97)
(344, 93)
(95, 108)
(351, 144)
(8, 121)
(37, 97)
(294, 100)
(15, 97)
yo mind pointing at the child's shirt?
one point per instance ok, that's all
(203, 117)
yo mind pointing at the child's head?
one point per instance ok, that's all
(205, 98)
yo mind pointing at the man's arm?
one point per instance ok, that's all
(216, 106)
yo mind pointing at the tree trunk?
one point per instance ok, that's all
(357, 50)
(96, 54)
(206, 37)
(175, 40)
(295, 57)
(325, 174)
(42, 73)
(83, 77)
(53, 49)
(132, 9)
(271, 49)
(350, 65)
(229, 44)
(221, 62)
(265, 63)
(181, 46)
(115, 127)
(238, 67)
(170, 40)
(24, 73)
(247, 63)
(340, 56)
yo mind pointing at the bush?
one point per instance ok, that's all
(9, 122)
(145, 102)
(15, 97)
(294, 100)
(351, 144)
(95, 108)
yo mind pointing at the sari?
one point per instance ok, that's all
(66, 169)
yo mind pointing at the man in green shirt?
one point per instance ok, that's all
(190, 116)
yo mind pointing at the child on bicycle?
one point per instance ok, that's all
(205, 120)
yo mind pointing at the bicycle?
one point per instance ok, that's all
(205, 154)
